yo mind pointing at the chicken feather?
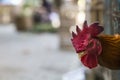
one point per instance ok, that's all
(110, 55)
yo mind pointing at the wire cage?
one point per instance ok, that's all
(112, 24)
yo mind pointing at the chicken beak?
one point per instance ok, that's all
(81, 54)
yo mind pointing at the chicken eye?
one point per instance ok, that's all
(90, 45)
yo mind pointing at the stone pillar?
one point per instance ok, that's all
(68, 12)
(95, 9)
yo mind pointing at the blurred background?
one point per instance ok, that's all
(35, 38)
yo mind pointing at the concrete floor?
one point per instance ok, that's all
(28, 56)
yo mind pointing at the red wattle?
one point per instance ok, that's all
(89, 60)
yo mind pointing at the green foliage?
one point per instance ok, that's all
(44, 27)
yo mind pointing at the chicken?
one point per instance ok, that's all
(94, 48)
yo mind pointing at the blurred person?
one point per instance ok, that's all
(37, 17)
(54, 19)
(40, 15)
(47, 5)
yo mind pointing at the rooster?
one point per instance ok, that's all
(94, 48)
